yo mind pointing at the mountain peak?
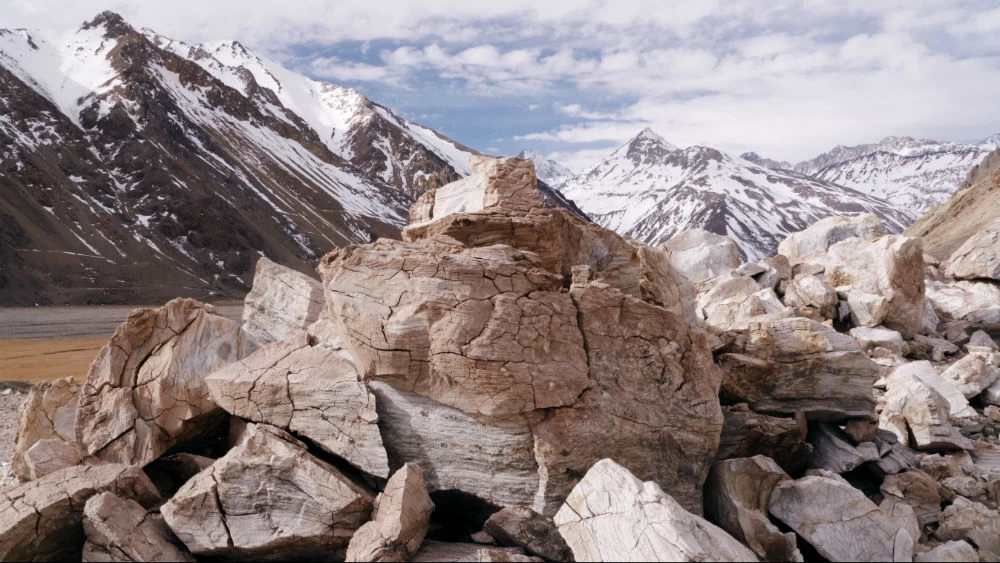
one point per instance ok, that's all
(113, 23)
(547, 170)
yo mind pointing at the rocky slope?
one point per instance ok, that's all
(510, 382)
(548, 170)
(134, 168)
(649, 189)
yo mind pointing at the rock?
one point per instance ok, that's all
(268, 499)
(972, 301)
(964, 518)
(308, 388)
(699, 255)
(978, 257)
(612, 516)
(41, 520)
(482, 538)
(748, 434)
(832, 450)
(728, 292)
(281, 302)
(520, 526)
(871, 338)
(938, 347)
(810, 291)
(974, 373)
(796, 364)
(891, 266)
(145, 392)
(898, 458)
(737, 496)
(968, 487)
(434, 551)
(980, 339)
(170, 472)
(399, 521)
(839, 521)
(957, 551)
(914, 407)
(861, 430)
(120, 529)
(822, 234)
(738, 309)
(918, 490)
(867, 309)
(904, 516)
(46, 441)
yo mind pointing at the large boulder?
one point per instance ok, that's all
(281, 302)
(120, 529)
(268, 498)
(978, 257)
(973, 301)
(824, 233)
(737, 496)
(917, 489)
(798, 365)
(839, 521)
(46, 440)
(520, 526)
(311, 389)
(748, 434)
(145, 392)
(478, 333)
(699, 255)
(613, 516)
(811, 291)
(42, 520)
(399, 521)
(974, 373)
(444, 552)
(914, 408)
(890, 266)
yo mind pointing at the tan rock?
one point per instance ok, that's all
(308, 388)
(46, 441)
(811, 291)
(871, 338)
(867, 309)
(699, 255)
(963, 519)
(747, 434)
(824, 233)
(120, 529)
(737, 496)
(281, 302)
(978, 257)
(613, 516)
(833, 450)
(439, 552)
(839, 521)
(917, 489)
(914, 407)
(520, 526)
(399, 521)
(145, 392)
(796, 364)
(41, 520)
(268, 499)
(966, 300)
(974, 373)
(891, 266)
(957, 551)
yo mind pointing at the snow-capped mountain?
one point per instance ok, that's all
(649, 189)
(133, 167)
(915, 174)
(547, 170)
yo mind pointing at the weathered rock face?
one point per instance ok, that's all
(46, 441)
(120, 529)
(310, 389)
(966, 519)
(268, 499)
(825, 233)
(978, 257)
(797, 364)
(917, 489)
(699, 255)
(839, 521)
(145, 392)
(748, 434)
(440, 552)
(913, 407)
(737, 496)
(281, 303)
(399, 521)
(612, 516)
(520, 526)
(486, 337)
(41, 520)
(810, 291)
(871, 338)
(974, 373)
(957, 551)
(973, 301)
(834, 451)
(891, 266)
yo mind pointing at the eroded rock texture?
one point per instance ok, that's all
(520, 526)
(613, 516)
(120, 529)
(978, 257)
(699, 255)
(46, 440)
(41, 520)
(281, 302)
(823, 234)
(399, 521)
(268, 498)
(310, 389)
(145, 392)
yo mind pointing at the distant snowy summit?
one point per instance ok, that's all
(547, 170)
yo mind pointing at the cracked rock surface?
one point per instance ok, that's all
(120, 529)
(520, 526)
(399, 521)
(46, 440)
(613, 516)
(268, 498)
(281, 302)
(41, 520)
(145, 391)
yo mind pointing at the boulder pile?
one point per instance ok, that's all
(510, 382)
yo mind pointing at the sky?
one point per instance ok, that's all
(572, 80)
